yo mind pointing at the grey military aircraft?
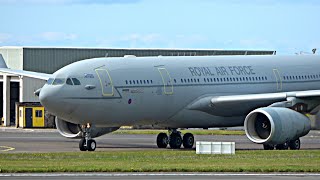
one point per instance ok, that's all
(269, 95)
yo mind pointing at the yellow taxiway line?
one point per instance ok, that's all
(6, 148)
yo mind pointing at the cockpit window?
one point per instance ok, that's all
(69, 82)
(49, 81)
(76, 81)
(59, 81)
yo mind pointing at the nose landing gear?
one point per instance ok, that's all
(175, 140)
(87, 143)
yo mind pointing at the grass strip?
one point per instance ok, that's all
(161, 161)
(195, 132)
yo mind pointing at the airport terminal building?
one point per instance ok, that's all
(21, 89)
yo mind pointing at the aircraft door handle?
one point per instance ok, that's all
(89, 87)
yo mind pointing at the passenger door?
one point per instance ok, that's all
(105, 82)
(167, 81)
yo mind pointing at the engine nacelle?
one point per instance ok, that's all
(70, 130)
(275, 125)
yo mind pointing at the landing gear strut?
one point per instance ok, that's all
(175, 139)
(87, 143)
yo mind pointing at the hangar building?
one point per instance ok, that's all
(47, 60)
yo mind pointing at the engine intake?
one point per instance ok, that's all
(70, 130)
(275, 125)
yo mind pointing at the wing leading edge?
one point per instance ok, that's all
(240, 105)
(5, 69)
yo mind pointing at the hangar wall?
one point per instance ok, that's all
(13, 57)
(27, 88)
(48, 60)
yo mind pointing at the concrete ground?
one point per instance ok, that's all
(49, 140)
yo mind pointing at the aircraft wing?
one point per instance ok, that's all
(240, 105)
(5, 69)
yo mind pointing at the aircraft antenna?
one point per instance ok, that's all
(314, 50)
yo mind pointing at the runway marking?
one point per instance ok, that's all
(6, 148)
(149, 174)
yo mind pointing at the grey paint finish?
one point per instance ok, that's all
(152, 103)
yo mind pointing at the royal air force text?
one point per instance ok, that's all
(222, 71)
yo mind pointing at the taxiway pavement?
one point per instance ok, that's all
(49, 140)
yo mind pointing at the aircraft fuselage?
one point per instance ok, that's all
(159, 90)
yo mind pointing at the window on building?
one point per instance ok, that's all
(38, 113)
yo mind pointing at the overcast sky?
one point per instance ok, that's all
(287, 26)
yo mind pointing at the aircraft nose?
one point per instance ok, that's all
(48, 97)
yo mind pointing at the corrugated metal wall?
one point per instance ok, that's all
(29, 86)
(13, 57)
(48, 60)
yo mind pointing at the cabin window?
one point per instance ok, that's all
(69, 82)
(76, 81)
(50, 81)
(59, 81)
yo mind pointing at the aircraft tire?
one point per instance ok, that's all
(175, 141)
(82, 146)
(162, 140)
(188, 140)
(295, 144)
(283, 146)
(268, 147)
(91, 146)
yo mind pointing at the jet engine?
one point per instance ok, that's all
(275, 125)
(70, 130)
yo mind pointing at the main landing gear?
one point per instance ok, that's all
(87, 143)
(175, 140)
(293, 145)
